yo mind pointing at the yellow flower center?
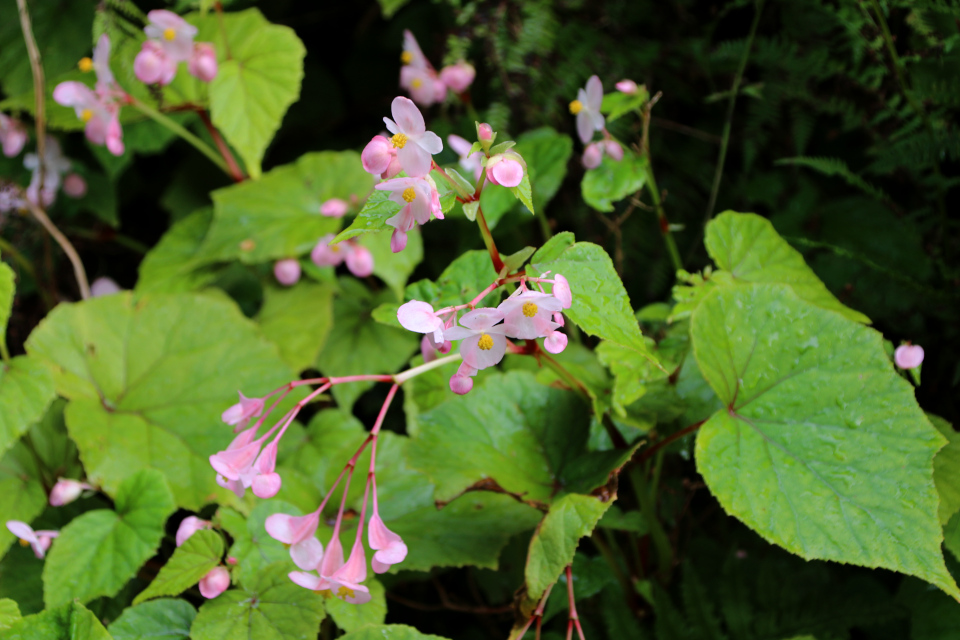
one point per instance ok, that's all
(86, 115)
(85, 64)
(399, 140)
(24, 543)
(169, 33)
(345, 592)
(485, 343)
(326, 593)
(406, 57)
(576, 107)
(417, 83)
(529, 309)
(409, 194)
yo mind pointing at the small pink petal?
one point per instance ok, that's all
(509, 173)
(307, 554)
(266, 485)
(335, 207)
(407, 116)
(555, 342)
(376, 156)
(398, 241)
(292, 529)
(626, 86)
(561, 291)
(214, 583)
(908, 356)
(203, 62)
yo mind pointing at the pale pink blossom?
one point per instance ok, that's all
(74, 185)
(390, 548)
(238, 458)
(334, 208)
(417, 74)
(39, 540)
(345, 582)
(418, 199)
(471, 162)
(414, 143)
(358, 258)
(626, 86)
(153, 65)
(267, 482)
(359, 261)
(13, 135)
(483, 341)
(287, 272)
(66, 491)
(908, 356)
(587, 109)
(104, 286)
(527, 315)
(203, 62)
(505, 169)
(592, 155)
(458, 76)
(298, 532)
(214, 583)
(561, 291)
(419, 317)
(189, 526)
(172, 32)
(240, 413)
(379, 158)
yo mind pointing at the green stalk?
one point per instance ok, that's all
(199, 144)
(662, 218)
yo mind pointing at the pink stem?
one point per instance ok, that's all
(574, 618)
(538, 614)
(383, 410)
(363, 378)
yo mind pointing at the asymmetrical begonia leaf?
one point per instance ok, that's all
(389, 632)
(298, 320)
(71, 621)
(100, 550)
(821, 447)
(270, 608)
(172, 265)
(614, 180)
(188, 564)
(162, 619)
(148, 378)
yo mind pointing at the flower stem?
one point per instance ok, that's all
(181, 131)
(400, 378)
(235, 171)
(488, 241)
(662, 219)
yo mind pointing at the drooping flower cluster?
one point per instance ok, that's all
(98, 108)
(589, 120)
(170, 42)
(418, 77)
(483, 333)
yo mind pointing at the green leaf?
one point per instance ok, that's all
(547, 154)
(378, 209)
(614, 180)
(836, 167)
(252, 547)
(9, 613)
(946, 469)
(20, 579)
(72, 621)
(172, 265)
(7, 290)
(26, 390)
(390, 7)
(934, 616)
(279, 215)
(459, 181)
(601, 306)
(470, 210)
(22, 496)
(555, 541)
(188, 564)
(618, 104)
(514, 261)
(524, 192)
(821, 448)
(512, 430)
(256, 84)
(148, 378)
(164, 619)
(394, 268)
(388, 632)
(298, 320)
(358, 344)
(270, 608)
(351, 617)
(748, 246)
(99, 551)
(632, 373)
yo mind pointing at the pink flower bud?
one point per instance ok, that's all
(287, 271)
(203, 62)
(461, 385)
(189, 526)
(439, 91)
(376, 156)
(555, 342)
(359, 261)
(240, 413)
(458, 76)
(266, 485)
(214, 583)
(231, 561)
(908, 356)
(75, 186)
(153, 66)
(104, 286)
(613, 149)
(485, 132)
(398, 241)
(334, 208)
(626, 86)
(66, 491)
(592, 155)
(325, 254)
(506, 172)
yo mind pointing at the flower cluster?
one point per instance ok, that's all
(98, 108)
(589, 120)
(526, 315)
(170, 42)
(418, 77)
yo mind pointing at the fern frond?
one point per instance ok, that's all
(836, 167)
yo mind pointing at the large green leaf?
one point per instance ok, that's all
(394, 268)
(9, 613)
(270, 608)
(172, 266)
(555, 542)
(279, 215)
(26, 390)
(821, 447)
(614, 180)
(601, 306)
(748, 246)
(99, 551)
(946, 470)
(513, 430)
(256, 84)
(163, 619)
(148, 378)
(389, 632)
(546, 153)
(188, 564)
(297, 319)
(71, 621)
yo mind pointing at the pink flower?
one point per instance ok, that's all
(587, 109)
(561, 291)
(75, 186)
(626, 86)
(240, 413)
(592, 155)
(189, 526)
(458, 76)
(908, 356)
(39, 540)
(99, 109)
(153, 66)
(483, 344)
(414, 143)
(66, 491)
(390, 548)
(334, 208)
(13, 135)
(267, 482)
(358, 258)
(172, 32)
(469, 161)
(418, 199)
(505, 169)
(104, 286)
(419, 317)
(215, 582)
(527, 315)
(412, 55)
(462, 381)
(203, 62)
(417, 74)
(238, 458)
(287, 272)
(613, 149)
(298, 532)
(345, 582)
(379, 158)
